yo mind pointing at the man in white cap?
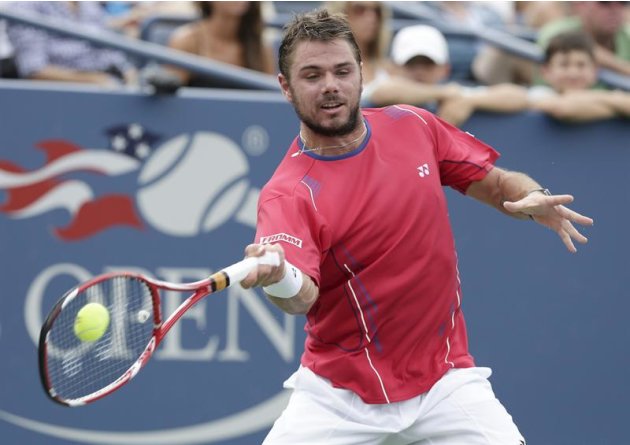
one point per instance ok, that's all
(420, 69)
(420, 66)
(421, 54)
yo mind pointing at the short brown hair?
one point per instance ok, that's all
(319, 25)
(570, 41)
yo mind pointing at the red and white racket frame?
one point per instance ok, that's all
(200, 289)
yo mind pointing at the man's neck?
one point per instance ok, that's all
(333, 145)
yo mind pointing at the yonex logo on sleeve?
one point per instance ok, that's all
(281, 237)
(423, 170)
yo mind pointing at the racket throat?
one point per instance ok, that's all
(219, 281)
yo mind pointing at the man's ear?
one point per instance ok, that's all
(284, 85)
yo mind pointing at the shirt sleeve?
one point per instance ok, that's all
(94, 16)
(462, 157)
(292, 223)
(29, 45)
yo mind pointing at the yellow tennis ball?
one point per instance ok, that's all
(91, 323)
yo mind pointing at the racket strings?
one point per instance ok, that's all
(77, 369)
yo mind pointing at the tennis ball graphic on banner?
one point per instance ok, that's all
(193, 183)
(91, 322)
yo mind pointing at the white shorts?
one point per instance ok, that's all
(460, 409)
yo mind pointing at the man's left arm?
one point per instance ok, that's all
(518, 195)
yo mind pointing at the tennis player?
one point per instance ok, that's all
(357, 210)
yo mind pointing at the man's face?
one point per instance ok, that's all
(424, 70)
(573, 70)
(324, 86)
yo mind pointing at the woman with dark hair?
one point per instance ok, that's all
(370, 24)
(229, 32)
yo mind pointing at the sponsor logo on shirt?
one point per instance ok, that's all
(423, 170)
(281, 237)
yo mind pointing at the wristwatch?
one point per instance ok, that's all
(543, 191)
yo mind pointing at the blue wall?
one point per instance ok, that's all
(550, 324)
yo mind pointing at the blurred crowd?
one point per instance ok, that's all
(438, 62)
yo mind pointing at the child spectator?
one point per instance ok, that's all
(605, 23)
(570, 71)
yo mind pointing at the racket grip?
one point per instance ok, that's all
(239, 270)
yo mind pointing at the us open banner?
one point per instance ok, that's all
(95, 181)
(91, 183)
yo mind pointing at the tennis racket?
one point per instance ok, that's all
(75, 372)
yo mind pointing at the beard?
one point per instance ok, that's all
(342, 129)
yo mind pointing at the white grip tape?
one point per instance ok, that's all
(289, 285)
(269, 258)
(239, 271)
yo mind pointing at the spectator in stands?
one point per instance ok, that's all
(535, 15)
(492, 65)
(420, 67)
(606, 23)
(47, 56)
(369, 22)
(570, 70)
(8, 70)
(421, 58)
(128, 17)
(467, 14)
(228, 32)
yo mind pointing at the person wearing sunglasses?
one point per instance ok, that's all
(606, 23)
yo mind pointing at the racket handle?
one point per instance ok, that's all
(239, 270)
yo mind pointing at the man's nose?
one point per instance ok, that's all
(331, 83)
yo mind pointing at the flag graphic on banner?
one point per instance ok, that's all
(52, 186)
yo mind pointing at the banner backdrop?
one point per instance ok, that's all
(92, 182)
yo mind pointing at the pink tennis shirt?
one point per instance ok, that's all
(371, 228)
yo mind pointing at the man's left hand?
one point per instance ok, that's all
(550, 211)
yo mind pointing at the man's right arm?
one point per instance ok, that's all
(293, 293)
(300, 303)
